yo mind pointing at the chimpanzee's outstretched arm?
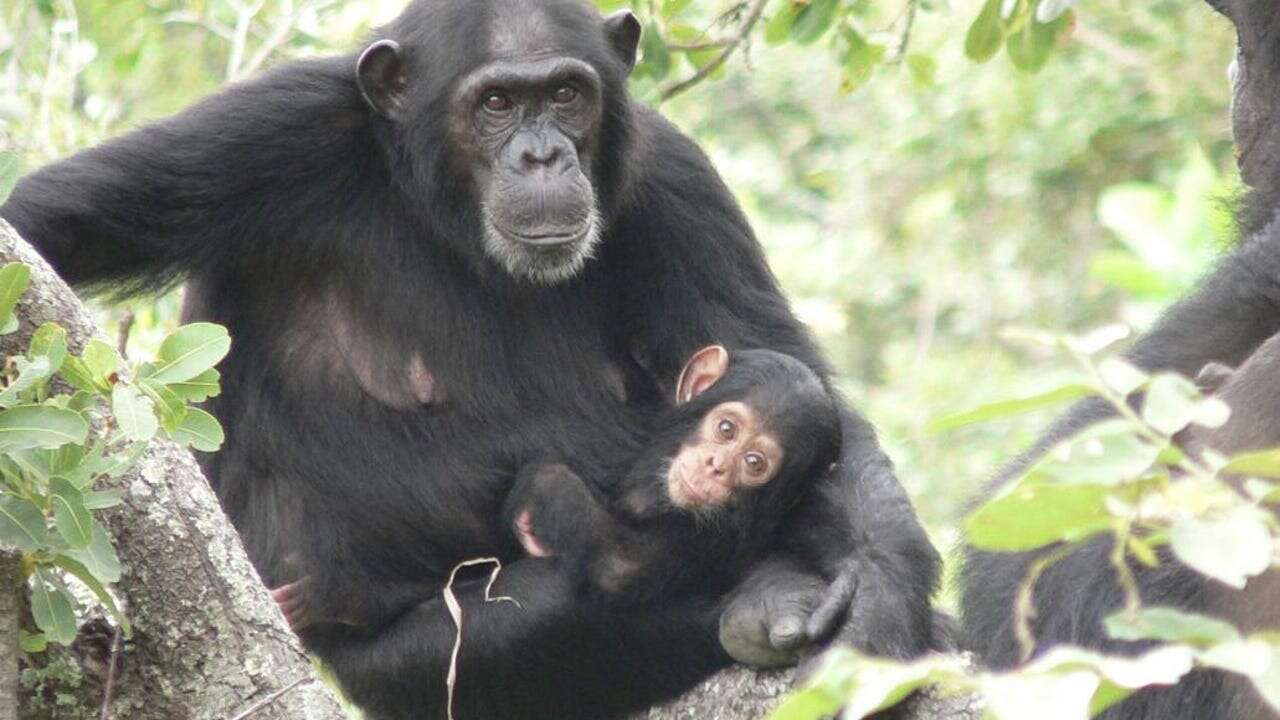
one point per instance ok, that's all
(200, 191)
(704, 279)
(1236, 308)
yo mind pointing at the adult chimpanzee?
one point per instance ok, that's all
(1228, 320)
(704, 496)
(461, 250)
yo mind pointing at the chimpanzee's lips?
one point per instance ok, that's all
(550, 240)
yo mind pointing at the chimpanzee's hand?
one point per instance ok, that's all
(764, 623)
(781, 613)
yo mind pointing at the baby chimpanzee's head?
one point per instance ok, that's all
(756, 427)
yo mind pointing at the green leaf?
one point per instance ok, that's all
(99, 555)
(199, 388)
(40, 426)
(1050, 696)
(1231, 549)
(672, 8)
(778, 29)
(1033, 514)
(1248, 657)
(1050, 10)
(1123, 270)
(102, 363)
(1263, 464)
(52, 609)
(32, 642)
(31, 374)
(1268, 682)
(10, 170)
(192, 349)
(813, 21)
(860, 60)
(49, 341)
(22, 524)
(133, 413)
(1007, 408)
(1170, 625)
(1029, 48)
(924, 69)
(84, 575)
(1107, 453)
(1121, 376)
(655, 56)
(70, 516)
(14, 278)
(200, 430)
(982, 42)
(103, 499)
(76, 371)
(1170, 403)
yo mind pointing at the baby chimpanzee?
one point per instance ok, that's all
(717, 474)
(706, 495)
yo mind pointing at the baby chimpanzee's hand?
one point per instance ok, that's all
(547, 510)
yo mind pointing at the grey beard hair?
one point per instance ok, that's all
(538, 267)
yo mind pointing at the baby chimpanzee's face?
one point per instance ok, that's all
(730, 450)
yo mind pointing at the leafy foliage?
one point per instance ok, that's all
(1126, 478)
(69, 421)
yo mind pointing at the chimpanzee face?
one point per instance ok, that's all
(731, 450)
(524, 121)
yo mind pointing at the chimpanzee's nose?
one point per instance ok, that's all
(540, 154)
(715, 462)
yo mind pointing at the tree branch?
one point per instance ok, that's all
(732, 44)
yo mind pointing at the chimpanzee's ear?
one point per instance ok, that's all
(623, 30)
(380, 75)
(701, 372)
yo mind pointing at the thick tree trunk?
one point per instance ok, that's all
(208, 642)
(740, 693)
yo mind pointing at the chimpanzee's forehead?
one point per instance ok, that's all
(522, 29)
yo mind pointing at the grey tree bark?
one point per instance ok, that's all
(208, 643)
(741, 693)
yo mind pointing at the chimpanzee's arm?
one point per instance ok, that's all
(1236, 308)
(202, 190)
(553, 513)
(699, 276)
(551, 656)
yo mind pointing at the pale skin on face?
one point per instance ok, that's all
(731, 450)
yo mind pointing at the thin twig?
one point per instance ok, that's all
(753, 16)
(1024, 607)
(904, 37)
(272, 698)
(185, 17)
(700, 46)
(110, 686)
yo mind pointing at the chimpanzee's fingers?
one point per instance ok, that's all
(834, 605)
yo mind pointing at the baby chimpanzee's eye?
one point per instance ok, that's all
(727, 429)
(756, 464)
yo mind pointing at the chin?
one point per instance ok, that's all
(538, 264)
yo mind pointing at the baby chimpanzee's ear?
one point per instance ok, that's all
(701, 372)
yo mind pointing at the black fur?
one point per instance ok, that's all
(1228, 320)
(625, 537)
(336, 243)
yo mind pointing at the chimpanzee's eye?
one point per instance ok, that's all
(564, 95)
(727, 429)
(756, 463)
(495, 101)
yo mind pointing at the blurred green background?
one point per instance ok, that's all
(914, 203)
